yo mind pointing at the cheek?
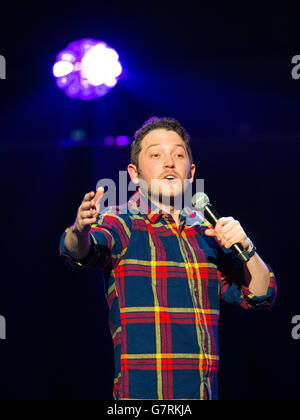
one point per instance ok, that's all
(151, 170)
(184, 171)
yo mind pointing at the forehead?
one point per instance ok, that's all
(161, 136)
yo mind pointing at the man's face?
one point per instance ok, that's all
(163, 164)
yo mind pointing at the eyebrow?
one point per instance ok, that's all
(158, 144)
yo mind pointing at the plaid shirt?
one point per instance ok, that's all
(163, 287)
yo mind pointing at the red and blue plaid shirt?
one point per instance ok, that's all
(163, 286)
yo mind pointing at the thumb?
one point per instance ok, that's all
(209, 232)
(97, 198)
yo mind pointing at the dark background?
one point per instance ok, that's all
(225, 74)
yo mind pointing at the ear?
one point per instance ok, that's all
(192, 173)
(133, 173)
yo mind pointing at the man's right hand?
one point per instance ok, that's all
(88, 211)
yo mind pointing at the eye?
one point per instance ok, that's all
(154, 155)
(179, 155)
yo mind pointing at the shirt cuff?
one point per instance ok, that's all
(89, 260)
(265, 301)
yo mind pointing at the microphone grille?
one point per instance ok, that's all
(200, 200)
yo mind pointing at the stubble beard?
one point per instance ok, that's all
(154, 195)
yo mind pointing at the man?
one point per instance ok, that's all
(166, 272)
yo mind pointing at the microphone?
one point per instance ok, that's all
(201, 202)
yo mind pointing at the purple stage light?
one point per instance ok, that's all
(87, 69)
(116, 141)
(122, 140)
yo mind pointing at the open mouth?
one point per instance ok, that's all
(169, 178)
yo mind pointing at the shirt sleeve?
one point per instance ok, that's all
(109, 240)
(233, 286)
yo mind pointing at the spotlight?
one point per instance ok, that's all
(116, 141)
(122, 140)
(87, 69)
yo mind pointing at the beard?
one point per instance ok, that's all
(174, 201)
(165, 195)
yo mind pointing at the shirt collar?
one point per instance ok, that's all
(140, 204)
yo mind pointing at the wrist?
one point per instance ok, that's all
(249, 245)
(79, 232)
(250, 249)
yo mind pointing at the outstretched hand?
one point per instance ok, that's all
(88, 211)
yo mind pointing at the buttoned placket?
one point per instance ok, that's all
(169, 220)
(178, 232)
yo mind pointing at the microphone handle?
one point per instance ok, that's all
(212, 216)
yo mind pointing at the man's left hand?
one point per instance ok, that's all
(229, 232)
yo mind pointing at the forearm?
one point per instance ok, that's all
(257, 275)
(77, 244)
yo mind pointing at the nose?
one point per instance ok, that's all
(169, 162)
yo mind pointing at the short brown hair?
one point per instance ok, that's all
(152, 124)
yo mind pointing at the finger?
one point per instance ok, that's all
(229, 232)
(88, 213)
(88, 221)
(223, 221)
(96, 200)
(90, 199)
(233, 240)
(231, 225)
(210, 232)
(88, 196)
(87, 205)
(99, 194)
